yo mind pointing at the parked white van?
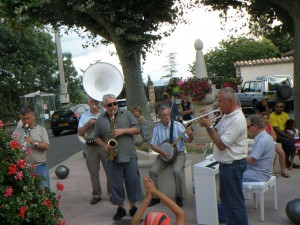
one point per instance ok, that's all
(274, 87)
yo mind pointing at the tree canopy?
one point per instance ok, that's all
(220, 60)
(28, 64)
(263, 14)
(132, 26)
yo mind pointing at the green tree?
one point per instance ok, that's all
(28, 64)
(75, 89)
(282, 39)
(132, 26)
(220, 60)
(263, 13)
(171, 67)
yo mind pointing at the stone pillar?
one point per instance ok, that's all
(205, 104)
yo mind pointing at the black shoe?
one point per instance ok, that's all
(154, 201)
(179, 201)
(121, 212)
(132, 211)
(95, 200)
(295, 165)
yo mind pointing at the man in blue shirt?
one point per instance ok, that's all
(161, 134)
(261, 156)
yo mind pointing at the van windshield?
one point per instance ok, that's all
(275, 82)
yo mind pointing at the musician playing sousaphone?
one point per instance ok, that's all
(114, 132)
(163, 133)
(92, 151)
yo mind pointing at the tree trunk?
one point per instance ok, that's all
(296, 19)
(293, 7)
(134, 86)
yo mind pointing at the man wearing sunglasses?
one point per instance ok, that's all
(124, 169)
(278, 120)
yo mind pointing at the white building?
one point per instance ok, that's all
(249, 70)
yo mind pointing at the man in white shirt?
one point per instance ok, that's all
(230, 150)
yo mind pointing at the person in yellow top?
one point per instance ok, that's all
(278, 120)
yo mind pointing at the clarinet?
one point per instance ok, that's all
(27, 132)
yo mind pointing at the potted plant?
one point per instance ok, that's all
(225, 81)
(22, 200)
(194, 87)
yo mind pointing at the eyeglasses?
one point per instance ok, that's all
(250, 126)
(111, 104)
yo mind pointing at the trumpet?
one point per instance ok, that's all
(194, 121)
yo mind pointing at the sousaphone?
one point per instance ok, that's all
(99, 79)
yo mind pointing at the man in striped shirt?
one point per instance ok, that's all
(161, 134)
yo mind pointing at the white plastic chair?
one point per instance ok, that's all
(260, 188)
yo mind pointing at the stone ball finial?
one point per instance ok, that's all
(198, 45)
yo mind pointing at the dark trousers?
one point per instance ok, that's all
(231, 192)
(288, 147)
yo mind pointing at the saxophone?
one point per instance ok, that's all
(112, 143)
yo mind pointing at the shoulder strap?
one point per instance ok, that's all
(171, 131)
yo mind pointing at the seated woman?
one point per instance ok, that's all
(279, 151)
(185, 108)
(144, 125)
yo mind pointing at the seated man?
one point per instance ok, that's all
(262, 106)
(162, 132)
(260, 158)
(278, 120)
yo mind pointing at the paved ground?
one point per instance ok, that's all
(77, 195)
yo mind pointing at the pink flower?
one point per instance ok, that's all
(60, 186)
(19, 176)
(28, 151)
(12, 169)
(21, 163)
(8, 192)
(14, 144)
(15, 135)
(22, 211)
(47, 202)
(61, 222)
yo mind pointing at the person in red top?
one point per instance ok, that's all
(278, 149)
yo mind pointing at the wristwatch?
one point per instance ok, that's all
(35, 144)
(209, 127)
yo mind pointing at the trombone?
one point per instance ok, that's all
(193, 122)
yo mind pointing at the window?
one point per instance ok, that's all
(258, 86)
(252, 86)
(275, 82)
